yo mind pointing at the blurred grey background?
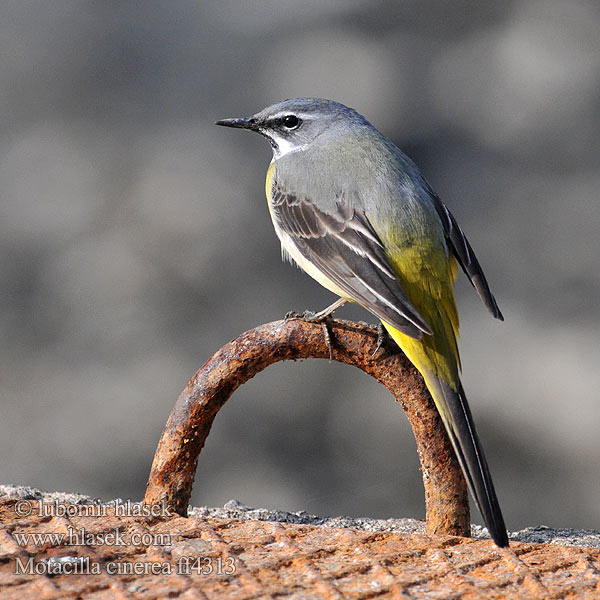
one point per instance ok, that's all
(135, 241)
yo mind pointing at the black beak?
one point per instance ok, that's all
(248, 123)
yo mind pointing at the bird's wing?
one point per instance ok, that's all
(466, 257)
(343, 246)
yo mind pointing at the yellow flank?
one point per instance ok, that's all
(269, 182)
(428, 283)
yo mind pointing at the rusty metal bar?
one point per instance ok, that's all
(174, 466)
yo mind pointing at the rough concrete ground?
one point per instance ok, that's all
(234, 509)
(236, 552)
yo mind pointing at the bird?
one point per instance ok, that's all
(356, 214)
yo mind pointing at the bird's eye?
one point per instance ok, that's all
(291, 121)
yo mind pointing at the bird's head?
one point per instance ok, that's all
(292, 125)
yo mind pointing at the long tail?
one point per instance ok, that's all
(456, 416)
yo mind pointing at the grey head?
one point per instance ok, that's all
(295, 123)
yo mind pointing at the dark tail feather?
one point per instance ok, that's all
(467, 446)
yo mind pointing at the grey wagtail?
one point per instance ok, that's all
(354, 212)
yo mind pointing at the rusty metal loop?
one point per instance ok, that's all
(174, 466)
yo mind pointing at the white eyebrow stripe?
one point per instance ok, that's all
(285, 113)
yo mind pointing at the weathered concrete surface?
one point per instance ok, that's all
(209, 557)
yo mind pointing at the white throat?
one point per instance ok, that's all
(284, 147)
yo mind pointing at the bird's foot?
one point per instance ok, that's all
(310, 316)
(319, 317)
(291, 315)
(382, 337)
(314, 317)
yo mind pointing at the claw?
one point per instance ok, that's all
(327, 336)
(310, 316)
(319, 317)
(382, 336)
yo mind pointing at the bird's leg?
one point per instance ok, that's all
(320, 317)
(382, 337)
(316, 317)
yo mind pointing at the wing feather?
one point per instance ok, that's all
(466, 257)
(342, 244)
